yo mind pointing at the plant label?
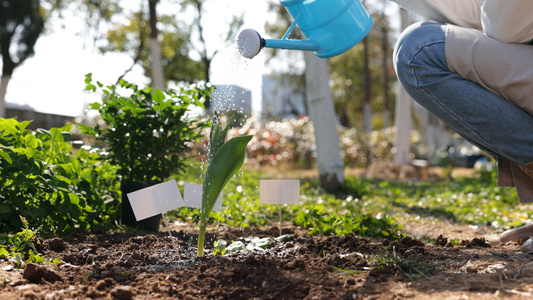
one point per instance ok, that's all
(285, 191)
(155, 199)
(192, 195)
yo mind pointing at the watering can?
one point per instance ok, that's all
(332, 27)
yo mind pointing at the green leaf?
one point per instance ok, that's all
(44, 131)
(88, 78)
(38, 212)
(219, 247)
(63, 178)
(95, 106)
(4, 209)
(56, 135)
(3, 252)
(87, 129)
(284, 237)
(158, 96)
(74, 199)
(258, 244)
(66, 136)
(235, 247)
(224, 164)
(22, 125)
(35, 258)
(31, 141)
(4, 155)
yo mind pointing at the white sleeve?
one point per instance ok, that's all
(465, 13)
(508, 21)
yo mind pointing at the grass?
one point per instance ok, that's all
(412, 267)
(368, 207)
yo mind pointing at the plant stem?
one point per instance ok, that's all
(201, 237)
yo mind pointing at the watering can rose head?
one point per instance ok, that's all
(224, 160)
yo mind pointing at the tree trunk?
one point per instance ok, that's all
(3, 89)
(158, 79)
(386, 77)
(403, 113)
(367, 107)
(207, 66)
(7, 71)
(322, 114)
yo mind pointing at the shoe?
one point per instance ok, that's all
(526, 169)
(527, 247)
(517, 234)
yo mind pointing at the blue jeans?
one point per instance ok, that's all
(485, 119)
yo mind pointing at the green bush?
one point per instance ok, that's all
(147, 132)
(55, 190)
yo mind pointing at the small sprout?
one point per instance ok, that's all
(257, 244)
(220, 247)
(283, 238)
(235, 246)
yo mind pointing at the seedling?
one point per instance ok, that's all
(220, 247)
(224, 161)
(253, 244)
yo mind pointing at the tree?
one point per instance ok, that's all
(158, 80)
(403, 113)
(180, 40)
(360, 77)
(322, 114)
(207, 53)
(134, 37)
(320, 105)
(21, 23)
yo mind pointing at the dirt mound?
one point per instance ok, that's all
(145, 266)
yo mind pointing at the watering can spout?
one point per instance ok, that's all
(250, 43)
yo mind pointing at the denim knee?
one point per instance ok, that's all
(411, 42)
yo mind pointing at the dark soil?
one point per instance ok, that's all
(146, 266)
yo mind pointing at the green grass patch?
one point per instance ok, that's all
(367, 207)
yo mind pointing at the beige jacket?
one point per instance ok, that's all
(483, 30)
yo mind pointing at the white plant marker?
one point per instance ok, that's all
(192, 197)
(157, 199)
(284, 191)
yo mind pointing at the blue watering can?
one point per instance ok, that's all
(332, 27)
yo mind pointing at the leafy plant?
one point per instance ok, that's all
(19, 248)
(147, 131)
(220, 247)
(325, 223)
(224, 160)
(55, 190)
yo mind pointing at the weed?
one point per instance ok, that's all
(411, 267)
(19, 248)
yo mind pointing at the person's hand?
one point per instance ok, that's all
(522, 235)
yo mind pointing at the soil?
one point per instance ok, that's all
(437, 260)
(146, 266)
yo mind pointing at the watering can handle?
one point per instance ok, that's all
(286, 35)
